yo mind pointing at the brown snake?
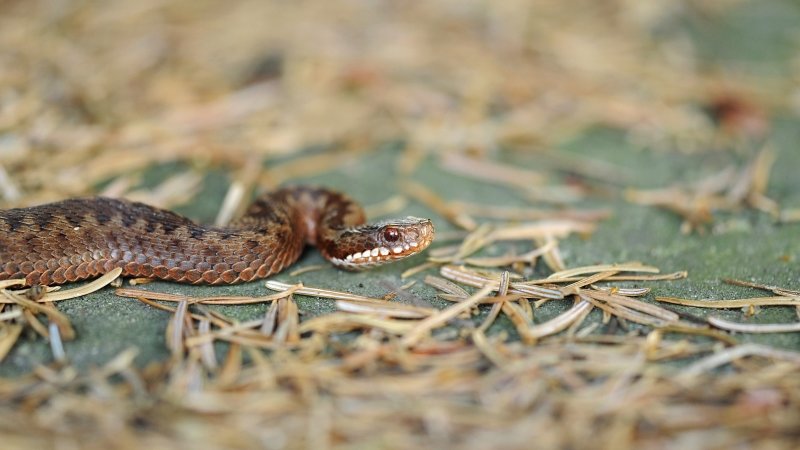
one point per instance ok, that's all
(84, 238)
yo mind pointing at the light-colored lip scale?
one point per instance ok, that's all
(368, 255)
(371, 258)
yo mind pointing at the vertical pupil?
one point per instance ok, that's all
(391, 234)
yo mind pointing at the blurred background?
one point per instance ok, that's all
(94, 93)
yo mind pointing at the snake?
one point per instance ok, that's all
(84, 238)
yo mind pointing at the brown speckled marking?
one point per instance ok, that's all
(84, 238)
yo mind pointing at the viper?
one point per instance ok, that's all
(80, 239)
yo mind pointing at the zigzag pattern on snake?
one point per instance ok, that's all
(84, 238)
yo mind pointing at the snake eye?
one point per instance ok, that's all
(391, 234)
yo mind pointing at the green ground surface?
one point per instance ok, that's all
(751, 247)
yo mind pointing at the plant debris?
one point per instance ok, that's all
(519, 346)
(728, 190)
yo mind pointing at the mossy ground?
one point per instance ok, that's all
(750, 247)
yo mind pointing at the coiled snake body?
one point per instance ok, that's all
(84, 238)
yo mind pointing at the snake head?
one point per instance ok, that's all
(379, 243)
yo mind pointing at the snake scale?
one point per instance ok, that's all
(80, 239)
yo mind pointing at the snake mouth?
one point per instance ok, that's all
(379, 254)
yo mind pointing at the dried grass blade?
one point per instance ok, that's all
(349, 322)
(9, 333)
(54, 294)
(732, 354)
(541, 229)
(86, 289)
(213, 300)
(56, 345)
(232, 366)
(552, 258)
(303, 167)
(270, 320)
(307, 269)
(737, 303)
(502, 291)
(224, 331)
(176, 330)
(664, 277)
(9, 191)
(317, 292)
(34, 323)
(10, 315)
(574, 328)
(573, 288)
(525, 214)
(495, 261)
(761, 167)
(561, 322)
(488, 350)
(234, 202)
(525, 305)
(774, 289)
(475, 240)
(288, 321)
(52, 314)
(417, 269)
(387, 310)
(487, 301)
(120, 363)
(754, 328)
(428, 324)
(476, 280)
(622, 267)
(683, 327)
(216, 318)
(536, 291)
(11, 283)
(625, 312)
(391, 205)
(445, 286)
(488, 170)
(175, 190)
(638, 305)
(430, 199)
(521, 321)
(399, 308)
(207, 354)
(627, 292)
(790, 215)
